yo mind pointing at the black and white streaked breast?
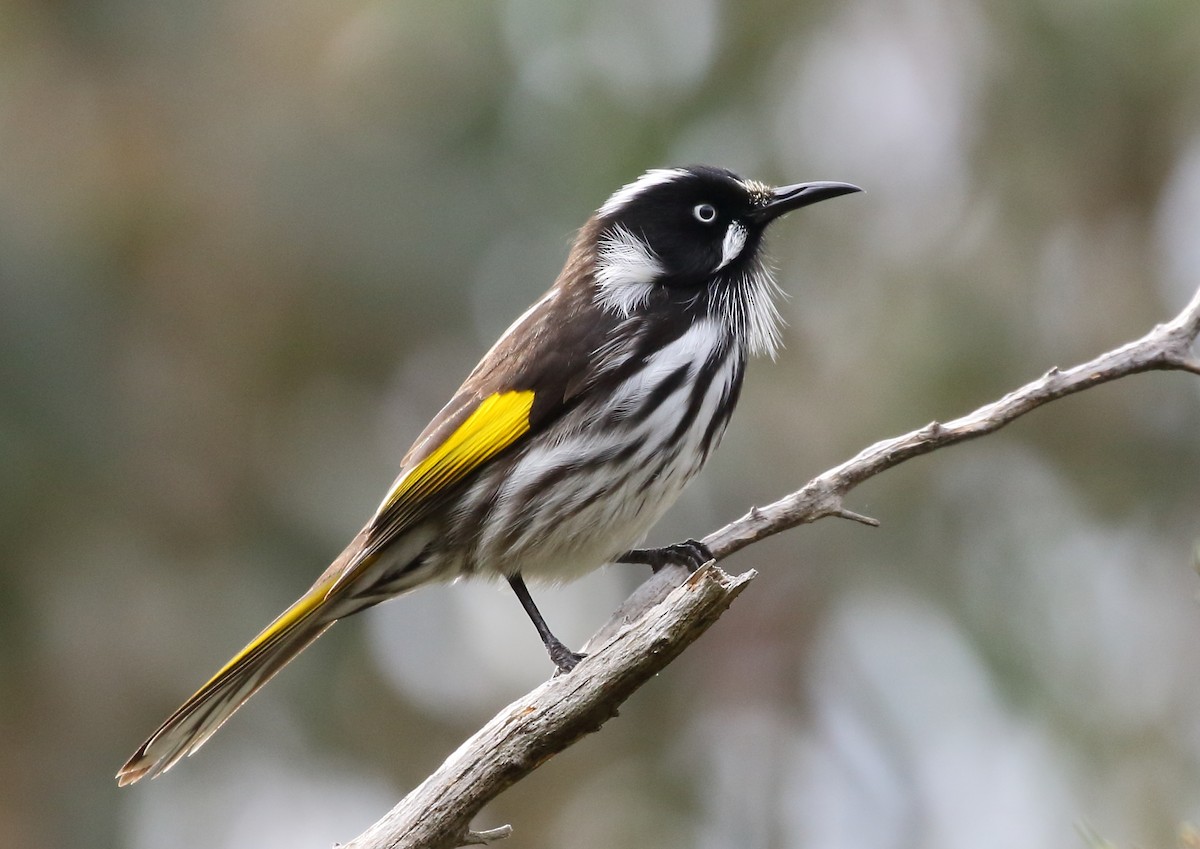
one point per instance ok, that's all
(604, 477)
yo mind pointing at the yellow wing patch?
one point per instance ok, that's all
(497, 423)
(283, 623)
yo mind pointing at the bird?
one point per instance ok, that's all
(574, 433)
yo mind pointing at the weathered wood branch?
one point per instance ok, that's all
(1166, 347)
(533, 728)
(672, 609)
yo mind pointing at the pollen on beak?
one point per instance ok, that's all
(787, 198)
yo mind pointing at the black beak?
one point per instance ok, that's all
(786, 198)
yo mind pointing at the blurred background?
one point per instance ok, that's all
(248, 248)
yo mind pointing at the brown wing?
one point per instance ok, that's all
(545, 358)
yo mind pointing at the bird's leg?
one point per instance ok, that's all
(563, 657)
(690, 553)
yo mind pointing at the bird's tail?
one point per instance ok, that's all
(187, 729)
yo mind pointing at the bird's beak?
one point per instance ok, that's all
(786, 198)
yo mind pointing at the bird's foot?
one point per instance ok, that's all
(563, 657)
(691, 554)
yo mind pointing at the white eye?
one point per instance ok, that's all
(705, 213)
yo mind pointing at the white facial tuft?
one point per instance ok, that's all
(624, 195)
(626, 269)
(733, 243)
(747, 308)
(762, 321)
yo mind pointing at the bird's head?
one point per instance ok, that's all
(694, 236)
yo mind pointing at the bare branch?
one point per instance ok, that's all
(672, 609)
(529, 731)
(1166, 347)
(491, 835)
(857, 517)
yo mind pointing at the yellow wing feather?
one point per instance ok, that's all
(282, 624)
(497, 422)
